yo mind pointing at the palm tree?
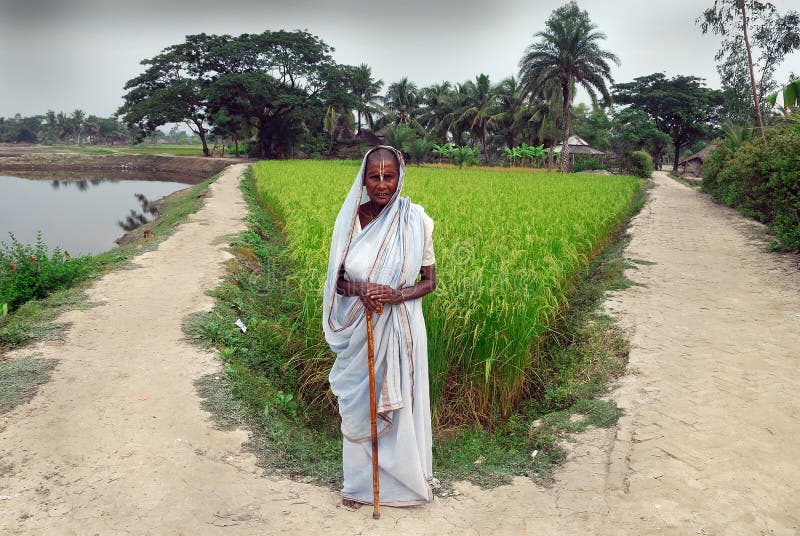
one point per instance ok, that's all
(435, 100)
(456, 102)
(513, 112)
(567, 52)
(78, 120)
(65, 126)
(402, 98)
(51, 128)
(366, 90)
(479, 109)
(91, 128)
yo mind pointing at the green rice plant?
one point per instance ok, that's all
(509, 246)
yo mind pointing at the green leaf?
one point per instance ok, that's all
(791, 94)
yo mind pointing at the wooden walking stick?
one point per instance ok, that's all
(373, 416)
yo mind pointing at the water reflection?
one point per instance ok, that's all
(81, 214)
(81, 184)
(136, 219)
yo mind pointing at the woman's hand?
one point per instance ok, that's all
(372, 294)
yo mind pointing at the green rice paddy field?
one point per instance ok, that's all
(508, 245)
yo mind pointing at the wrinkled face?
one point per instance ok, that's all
(381, 177)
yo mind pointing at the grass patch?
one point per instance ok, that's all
(19, 379)
(33, 321)
(693, 184)
(177, 150)
(84, 149)
(296, 437)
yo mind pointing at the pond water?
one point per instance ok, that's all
(80, 216)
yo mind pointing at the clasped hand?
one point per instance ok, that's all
(372, 294)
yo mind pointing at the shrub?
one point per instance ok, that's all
(400, 137)
(420, 149)
(466, 156)
(586, 164)
(29, 271)
(761, 181)
(641, 164)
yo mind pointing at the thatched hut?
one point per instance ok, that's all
(577, 145)
(693, 165)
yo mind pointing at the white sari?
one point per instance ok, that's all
(389, 251)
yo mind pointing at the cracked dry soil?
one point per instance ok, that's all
(116, 442)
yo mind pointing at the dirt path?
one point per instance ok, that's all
(116, 442)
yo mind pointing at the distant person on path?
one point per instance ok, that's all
(381, 253)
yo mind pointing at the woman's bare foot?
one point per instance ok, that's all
(350, 503)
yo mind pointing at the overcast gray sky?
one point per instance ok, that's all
(67, 54)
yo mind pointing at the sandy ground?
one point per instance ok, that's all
(116, 442)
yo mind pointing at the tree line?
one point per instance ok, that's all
(282, 94)
(79, 128)
(52, 127)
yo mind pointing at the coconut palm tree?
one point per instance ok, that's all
(402, 99)
(366, 90)
(453, 106)
(513, 111)
(51, 129)
(567, 52)
(479, 109)
(78, 119)
(435, 100)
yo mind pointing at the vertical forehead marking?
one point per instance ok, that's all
(381, 167)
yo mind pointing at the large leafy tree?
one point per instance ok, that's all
(682, 107)
(20, 129)
(279, 83)
(592, 124)
(173, 87)
(632, 129)
(737, 93)
(748, 25)
(567, 52)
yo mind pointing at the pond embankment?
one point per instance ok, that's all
(41, 162)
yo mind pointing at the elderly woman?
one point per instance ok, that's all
(381, 253)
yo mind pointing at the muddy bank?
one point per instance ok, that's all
(38, 164)
(158, 206)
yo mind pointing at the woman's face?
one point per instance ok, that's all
(381, 177)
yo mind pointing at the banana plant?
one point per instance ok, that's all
(529, 153)
(791, 95)
(512, 155)
(443, 151)
(536, 153)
